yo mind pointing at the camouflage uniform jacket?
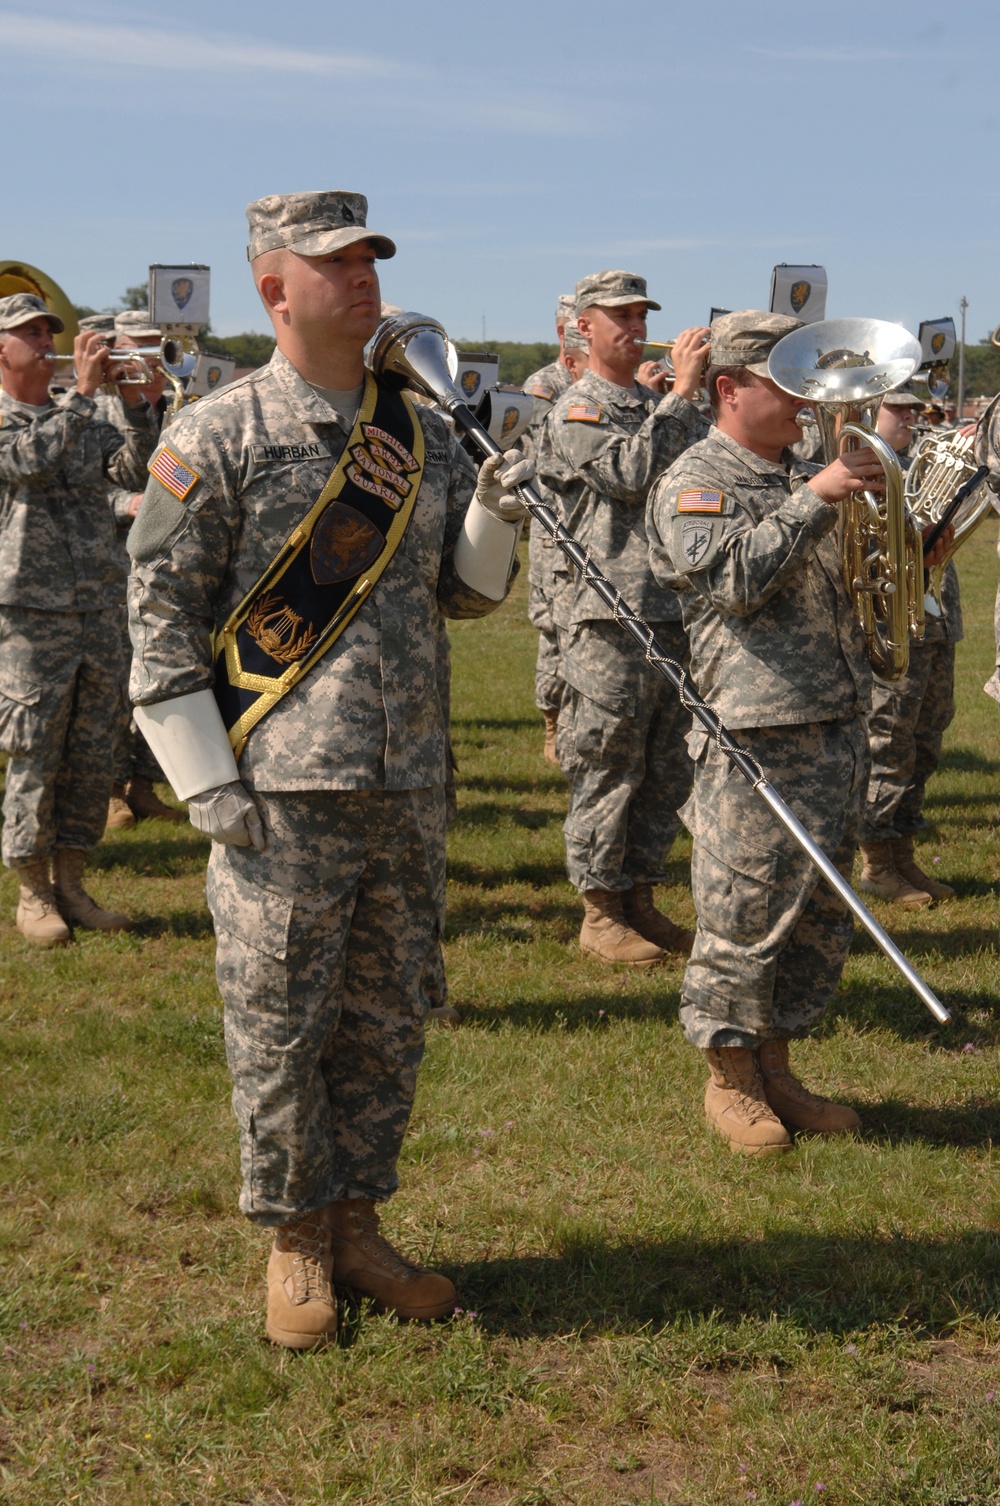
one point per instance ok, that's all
(774, 637)
(369, 714)
(599, 450)
(57, 534)
(549, 383)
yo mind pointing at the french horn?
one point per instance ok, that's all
(843, 368)
(941, 464)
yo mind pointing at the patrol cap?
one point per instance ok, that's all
(104, 324)
(137, 324)
(572, 338)
(312, 224)
(566, 307)
(747, 337)
(905, 396)
(21, 308)
(612, 290)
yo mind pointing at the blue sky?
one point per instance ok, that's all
(511, 148)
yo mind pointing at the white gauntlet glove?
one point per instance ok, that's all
(227, 814)
(498, 475)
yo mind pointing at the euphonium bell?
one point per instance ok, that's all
(843, 368)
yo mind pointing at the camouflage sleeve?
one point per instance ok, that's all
(35, 452)
(622, 466)
(717, 549)
(120, 502)
(986, 447)
(455, 598)
(180, 550)
(128, 450)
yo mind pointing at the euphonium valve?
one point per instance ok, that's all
(843, 368)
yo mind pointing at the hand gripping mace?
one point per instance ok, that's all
(417, 349)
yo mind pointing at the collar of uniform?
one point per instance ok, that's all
(305, 402)
(27, 410)
(752, 461)
(609, 392)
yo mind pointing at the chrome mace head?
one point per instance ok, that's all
(417, 347)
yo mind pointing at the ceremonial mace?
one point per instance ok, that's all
(416, 349)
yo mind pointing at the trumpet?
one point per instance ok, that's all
(176, 362)
(844, 368)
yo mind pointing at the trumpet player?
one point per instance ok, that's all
(60, 643)
(620, 737)
(744, 532)
(133, 793)
(908, 718)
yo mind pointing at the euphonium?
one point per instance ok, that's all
(843, 368)
(941, 464)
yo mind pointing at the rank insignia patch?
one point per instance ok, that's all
(699, 501)
(171, 472)
(583, 413)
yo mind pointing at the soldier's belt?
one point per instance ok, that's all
(327, 566)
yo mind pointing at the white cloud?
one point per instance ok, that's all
(147, 47)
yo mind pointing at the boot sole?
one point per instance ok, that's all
(46, 940)
(904, 904)
(621, 961)
(410, 1314)
(288, 1338)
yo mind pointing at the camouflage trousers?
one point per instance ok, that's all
(906, 726)
(327, 959)
(60, 700)
(133, 757)
(622, 745)
(549, 688)
(772, 936)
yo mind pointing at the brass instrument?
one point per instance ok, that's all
(995, 337)
(19, 277)
(665, 359)
(171, 355)
(941, 464)
(843, 368)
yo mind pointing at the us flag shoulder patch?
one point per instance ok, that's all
(699, 501)
(172, 473)
(583, 413)
(548, 393)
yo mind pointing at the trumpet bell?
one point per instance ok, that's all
(844, 361)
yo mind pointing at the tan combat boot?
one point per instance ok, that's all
(880, 876)
(146, 805)
(642, 915)
(792, 1101)
(38, 918)
(735, 1104)
(549, 746)
(120, 818)
(606, 934)
(367, 1263)
(301, 1309)
(75, 904)
(906, 864)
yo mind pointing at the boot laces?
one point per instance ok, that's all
(308, 1245)
(377, 1247)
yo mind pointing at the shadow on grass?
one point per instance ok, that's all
(540, 875)
(491, 813)
(967, 760)
(191, 924)
(974, 1123)
(158, 855)
(829, 1284)
(546, 783)
(921, 943)
(588, 1009)
(473, 724)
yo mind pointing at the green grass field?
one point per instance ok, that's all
(647, 1319)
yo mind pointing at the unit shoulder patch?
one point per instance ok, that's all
(583, 413)
(695, 542)
(695, 499)
(172, 472)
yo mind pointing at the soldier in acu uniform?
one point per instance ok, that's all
(908, 720)
(543, 557)
(745, 534)
(326, 872)
(620, 738)
(60, 645)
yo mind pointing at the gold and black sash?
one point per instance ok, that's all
(325, 568)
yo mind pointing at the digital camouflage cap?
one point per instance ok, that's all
(104, 324)
(312, 224)
(572, 338)
(21, 308)
(612, 290)
(136, 323)
(905, 396)
(747, 337)
(565, 308)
